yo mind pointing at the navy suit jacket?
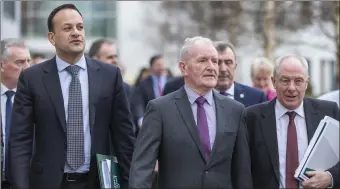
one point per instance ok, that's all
(248, 95)
(38, 115)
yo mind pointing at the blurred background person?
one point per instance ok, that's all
(14, 57)
(261, 72)
(226, 84)
(105, 51)
(150, 88)
(143, 74)
(37, 58)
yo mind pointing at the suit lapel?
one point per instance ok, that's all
(184, 107)
(94, 78)
(312, 118)
(237, 92)
(53, 87)
(221, 115)
(268, 127)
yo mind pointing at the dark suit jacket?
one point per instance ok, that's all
(261, 123)
(169, 134)
(39, 105)
(173, 85)
(248, 96)
(128, 90)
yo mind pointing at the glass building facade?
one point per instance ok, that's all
(99, 17)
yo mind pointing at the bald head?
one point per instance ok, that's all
(291, 61)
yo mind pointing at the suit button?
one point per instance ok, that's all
(206, 172)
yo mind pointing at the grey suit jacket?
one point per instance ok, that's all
(169, 134)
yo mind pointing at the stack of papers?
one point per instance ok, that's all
(323, 150)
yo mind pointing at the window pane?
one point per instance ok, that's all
(9, 9)
(99, 17)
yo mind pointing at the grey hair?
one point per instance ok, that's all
(222, 46)
(10, 42)
(189, 42)
(279, 61)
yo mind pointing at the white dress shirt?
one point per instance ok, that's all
(230, 91)
(282, 121)
(4, 89)
(65, 80)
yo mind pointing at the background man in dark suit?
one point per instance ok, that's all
(77, 107)
(226, 84)
(104, 50)
(280, 130)
(149, 89)
(198, 135)
(14, 57)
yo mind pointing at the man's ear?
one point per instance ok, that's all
(51, 38)
(182, 67)
(273, 81)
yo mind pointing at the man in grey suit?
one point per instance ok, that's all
(198, 136)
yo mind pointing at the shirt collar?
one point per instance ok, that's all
(230, 91)
(281, 110)
(5, 89)
(192, 95)
(61, 65)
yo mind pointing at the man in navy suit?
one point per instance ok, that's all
(226, 84)
(72, 108)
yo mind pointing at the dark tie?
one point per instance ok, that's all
(9, 95)
(225, 93)
(202, 124)
(292, 156)
(75, 126)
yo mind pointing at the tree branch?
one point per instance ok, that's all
(323, 30)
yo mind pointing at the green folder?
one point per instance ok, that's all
(109, 177)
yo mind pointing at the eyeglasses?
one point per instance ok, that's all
(297, 81)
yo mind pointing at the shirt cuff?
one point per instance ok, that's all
(331, 185)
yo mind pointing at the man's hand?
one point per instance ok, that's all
(319, 179)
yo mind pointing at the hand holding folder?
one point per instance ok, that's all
(323, 150)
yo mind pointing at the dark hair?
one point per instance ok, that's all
(154, 58)
(55, 11)
(139, 78)
(94, 49)
(222, 46)
(37, 55)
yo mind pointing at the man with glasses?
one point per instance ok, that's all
(280, 130)
(14, 57)
(226, 84)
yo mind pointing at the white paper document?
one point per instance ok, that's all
(106, 168)
(323, 150)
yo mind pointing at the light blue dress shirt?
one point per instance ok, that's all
(210, 110)
(155, 80)
(65, 80)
